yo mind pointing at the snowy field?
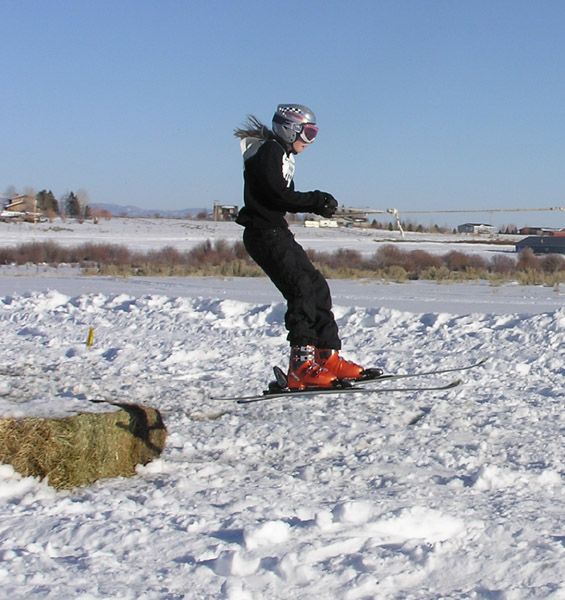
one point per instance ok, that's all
(448, 495)
(183, 234)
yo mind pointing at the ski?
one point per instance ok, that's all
(375, 374)
(395, 376)
(278, 389)
(287, 393)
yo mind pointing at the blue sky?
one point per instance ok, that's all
(422, 105)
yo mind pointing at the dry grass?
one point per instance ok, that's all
(220, 258)
(84, 448)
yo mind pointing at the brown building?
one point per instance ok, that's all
(224, 212)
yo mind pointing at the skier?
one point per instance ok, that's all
(269, 193)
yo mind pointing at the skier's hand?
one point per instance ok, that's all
(327, 205)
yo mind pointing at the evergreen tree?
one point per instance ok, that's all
(46, 202)
(72, 205)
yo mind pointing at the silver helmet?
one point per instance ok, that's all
(292, 121)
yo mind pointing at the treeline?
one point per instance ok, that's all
(412, 226)
(74, 205)
(71, 205)
(415, 227)
(221, 258)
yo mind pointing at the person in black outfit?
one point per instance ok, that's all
(269, 193)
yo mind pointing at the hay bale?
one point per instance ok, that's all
(83, 448)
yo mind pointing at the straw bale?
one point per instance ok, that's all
(80, 449)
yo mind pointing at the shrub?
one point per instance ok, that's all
(216, 253)
(527, 260)
(458, 261)
(503, 265)
(198, 255)
(221, 258)
(167, 256)
(340, 259)
(414, 263)
(552, 263)
(424, 260)
(397, 273)
(441, 273)
(39, 252)
(240, 252)
(6, 256)
(388, 256)
(113, 254)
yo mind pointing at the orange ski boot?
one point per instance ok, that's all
(342, 369)
(305, 372)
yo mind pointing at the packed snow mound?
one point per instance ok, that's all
(330, 497)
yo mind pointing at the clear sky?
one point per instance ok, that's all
(422, 105)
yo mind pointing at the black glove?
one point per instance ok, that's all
(327, 205)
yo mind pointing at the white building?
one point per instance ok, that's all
(320, 223)
(477, 228)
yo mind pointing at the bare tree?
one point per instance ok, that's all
(83, 203)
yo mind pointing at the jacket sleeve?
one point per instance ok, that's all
(278, 194)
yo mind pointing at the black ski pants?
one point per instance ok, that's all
(309, 318)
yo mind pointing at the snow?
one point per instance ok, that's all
(335, 497)
(184, 234)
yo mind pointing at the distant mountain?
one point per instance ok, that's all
(119, 210)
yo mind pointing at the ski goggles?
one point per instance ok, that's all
(308, 133)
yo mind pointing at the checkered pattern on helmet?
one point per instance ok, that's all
(289, 119)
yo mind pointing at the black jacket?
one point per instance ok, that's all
(269, 188)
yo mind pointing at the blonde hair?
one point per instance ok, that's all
(253, 128)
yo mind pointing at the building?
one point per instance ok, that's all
(537, 231)
(320, 223)
(477, 228)
(224, 212)
(21, 203)
(543, 244)
(20, 208)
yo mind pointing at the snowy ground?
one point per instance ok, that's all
(323, 498)
(183, 234)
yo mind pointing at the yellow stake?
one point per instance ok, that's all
(90, 338)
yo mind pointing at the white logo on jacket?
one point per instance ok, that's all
(288, 167)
